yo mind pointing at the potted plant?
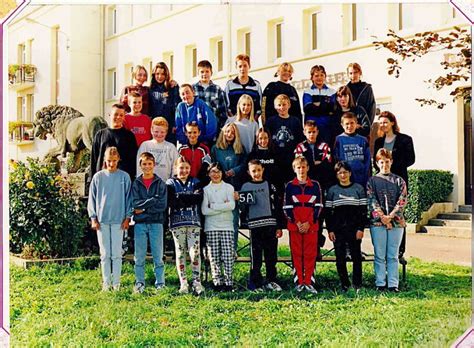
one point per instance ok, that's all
(12, 69)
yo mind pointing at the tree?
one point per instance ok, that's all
(457, 66)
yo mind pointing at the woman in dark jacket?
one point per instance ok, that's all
(164, 97)
(401, 147)
(361, 91)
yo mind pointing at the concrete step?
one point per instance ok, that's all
(450, 223)
(455, 216)
(465, 209)
(458, 232)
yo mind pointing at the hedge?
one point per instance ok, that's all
(425, 188)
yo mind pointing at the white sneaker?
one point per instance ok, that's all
(299, 287)
(272, 286)
(139, 288)
(159, 287)
(184, 289)
(198, 288)
(116, 287)
(311, 289)
(105, 287)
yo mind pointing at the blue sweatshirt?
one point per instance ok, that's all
(354, 149)
(110, 197)
(202, 114)
(228, 159)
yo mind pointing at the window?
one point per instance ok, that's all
(194, 62)
(21, 54)
(361, 21)
(190, 62)
(127, 74)
(29, 51)
(314, 30)
(148, 64)
(220, 55)
(112, 20)
(111, 84)
(275, 39)
(217, 53)
(405, 16)
(247, 43)
(168, 58)
(29, 107)
(244, 40)
(21, 108)
(278, 40)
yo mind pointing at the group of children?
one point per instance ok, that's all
(286, 168)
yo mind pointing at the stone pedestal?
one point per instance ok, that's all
(79, 183)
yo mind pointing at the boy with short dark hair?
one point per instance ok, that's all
(139, 124)
(196, 153)
(210, 93)
(149, 205)
(354, 149)
(265, 221)
(194, 109)
(346, 215)
(318, 155)
(115, 135)
(302, 206)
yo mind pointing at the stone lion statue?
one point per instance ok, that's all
(73, 131)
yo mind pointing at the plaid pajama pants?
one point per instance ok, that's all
(221, 253)
(187, 237)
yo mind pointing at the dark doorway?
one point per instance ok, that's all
(467, 152)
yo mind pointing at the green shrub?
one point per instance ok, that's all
(46, 218)
(426, 187)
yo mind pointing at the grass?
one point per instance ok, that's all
(63, 306)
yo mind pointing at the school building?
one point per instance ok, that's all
(82, 56)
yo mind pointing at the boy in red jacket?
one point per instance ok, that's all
(302, 206)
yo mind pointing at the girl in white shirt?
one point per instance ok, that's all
(217, 205)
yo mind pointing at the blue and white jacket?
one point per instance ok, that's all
(200, 112)
(234, 90)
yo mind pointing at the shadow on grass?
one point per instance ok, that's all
(424, 280)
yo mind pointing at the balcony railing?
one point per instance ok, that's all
(21, 73)
(21, 132)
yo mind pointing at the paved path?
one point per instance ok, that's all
(424, 247)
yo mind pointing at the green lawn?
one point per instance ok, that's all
(63, 306)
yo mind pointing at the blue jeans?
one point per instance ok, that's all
(153, 233)
(386, 244)
(110, 238)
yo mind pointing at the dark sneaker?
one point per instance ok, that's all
(381, 288)
(393, 289)
(216, 288)
(228, 288)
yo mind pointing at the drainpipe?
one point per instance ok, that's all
(102, 59)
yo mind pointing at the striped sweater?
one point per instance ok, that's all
(346, 208)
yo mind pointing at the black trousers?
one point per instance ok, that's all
(263, 241)
(349, 237)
